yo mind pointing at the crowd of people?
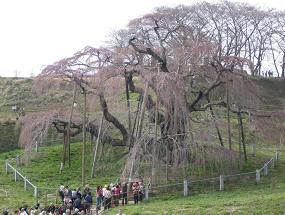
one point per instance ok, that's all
(79, 202)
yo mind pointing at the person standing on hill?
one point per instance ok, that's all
(78, 193)
(135, 189)
(141, 191)
(108, 198)
(77, 204)
(23, 212)
(99, 195)
(125, 193)
(86, 190)
(87, 202)
(117, 192)
(61, 192)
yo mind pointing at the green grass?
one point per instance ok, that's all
(16, 195)
(43, 172)
(44, 166)
(239, 197)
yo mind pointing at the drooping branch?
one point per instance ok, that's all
(110, 118)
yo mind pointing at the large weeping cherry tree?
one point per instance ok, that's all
(182, 64)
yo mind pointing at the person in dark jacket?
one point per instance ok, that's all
(77, 203)
(125, 193)
(87, 203)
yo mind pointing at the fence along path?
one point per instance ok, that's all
(19, 176)
(186, 184)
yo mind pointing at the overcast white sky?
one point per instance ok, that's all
(35, 33)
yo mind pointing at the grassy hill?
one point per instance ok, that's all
(240, 196)
(272, 92)
(23, 93)
(43, 170)
(26, 93)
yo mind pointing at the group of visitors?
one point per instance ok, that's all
(109, 196)
(79, 202)
(267, 73)
(75, 198)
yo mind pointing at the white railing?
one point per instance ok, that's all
(19, 176)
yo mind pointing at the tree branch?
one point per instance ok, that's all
(110, 118)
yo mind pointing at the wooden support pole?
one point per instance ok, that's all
(129, 109)
(185, 187)
(155, 128)
(84, 140)
(257, 176)
(215, 121)
(96, 147)
(69, 123)
(228, 112)
(143, 110)
(242, 135)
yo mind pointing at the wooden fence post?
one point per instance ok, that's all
(185, 187)
(265, 169)
(15, 174)
(221, 182)
(146, 193)
(276, 156)
(6, 167)
(35, 191)
(257, 176)
(273, 162)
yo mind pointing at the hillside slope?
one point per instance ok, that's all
(25, 93)
(272, 92)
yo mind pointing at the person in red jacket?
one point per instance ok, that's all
(99, 196)
(117, 192)
(136, 189)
